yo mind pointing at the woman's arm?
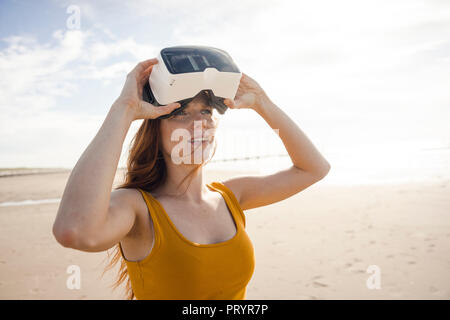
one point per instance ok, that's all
(88, 217)
(84, 205)
(309, 166)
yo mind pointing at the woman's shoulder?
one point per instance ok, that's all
(226, 187)
(131, 198)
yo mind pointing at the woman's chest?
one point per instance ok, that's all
(206, 224)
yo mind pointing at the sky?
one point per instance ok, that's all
(367, 81)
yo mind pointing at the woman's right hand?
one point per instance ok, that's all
(131, 94)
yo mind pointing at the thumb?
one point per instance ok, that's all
(150, 111)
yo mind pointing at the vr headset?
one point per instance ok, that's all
(182, 72)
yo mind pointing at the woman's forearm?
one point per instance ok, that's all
(86, 197)
(302, 152)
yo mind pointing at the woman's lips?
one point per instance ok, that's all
(203, 139)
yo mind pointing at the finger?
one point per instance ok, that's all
(143, 65)
(232, 104)
(152, 112)
(228, 103)
(145, 75)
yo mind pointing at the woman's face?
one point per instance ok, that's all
(188, 137)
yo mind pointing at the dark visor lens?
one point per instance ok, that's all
(197, 59)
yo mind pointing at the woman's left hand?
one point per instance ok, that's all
(249, 95)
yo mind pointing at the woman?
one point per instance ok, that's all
(176, 239)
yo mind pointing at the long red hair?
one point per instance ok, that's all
(146, 169)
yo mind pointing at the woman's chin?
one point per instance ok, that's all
(199, 153)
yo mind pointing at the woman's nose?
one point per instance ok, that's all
(199, 117)
(196, 116)
(200, 123)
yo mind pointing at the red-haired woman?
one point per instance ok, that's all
(176, 238)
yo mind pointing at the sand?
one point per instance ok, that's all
(317, 244)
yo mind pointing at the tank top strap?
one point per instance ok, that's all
(230, 198)
(165, 231)
(155, 214)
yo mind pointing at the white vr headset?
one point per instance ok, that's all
(182, 72)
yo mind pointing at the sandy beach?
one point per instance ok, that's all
(317, 244)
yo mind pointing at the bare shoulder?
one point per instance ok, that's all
(125, 197)
(234, 185)
(129, 200)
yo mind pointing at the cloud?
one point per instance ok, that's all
(345, 65)
(40, 80)
(33, 71)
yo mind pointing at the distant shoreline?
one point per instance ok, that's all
(13, 172)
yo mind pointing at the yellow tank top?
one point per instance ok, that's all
(178, 269)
